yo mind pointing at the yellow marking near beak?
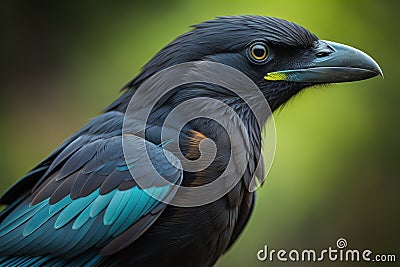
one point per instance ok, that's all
(275, 76)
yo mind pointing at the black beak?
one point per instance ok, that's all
(334, 63)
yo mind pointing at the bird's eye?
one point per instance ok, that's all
(258, 52)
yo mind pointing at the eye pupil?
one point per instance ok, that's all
(258, 52)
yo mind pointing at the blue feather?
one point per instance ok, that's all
(136, 211)
(40, 217)
(18, 217)
(93, 261)
(95, 236)
(122, 168)
(82, 218)
(150, 193)
(18, 262)
(60, 205)
(40, 261)
(100, 203)
(116, 205)
(10, 239)
(131, 202)
(76, 237)
(74, 209)
(42, 238)
(23, 241)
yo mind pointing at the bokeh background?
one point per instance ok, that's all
(336, 169)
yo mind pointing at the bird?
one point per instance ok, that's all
(89, 203)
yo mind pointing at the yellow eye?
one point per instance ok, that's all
(259, 52)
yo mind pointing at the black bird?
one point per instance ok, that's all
(88, 204)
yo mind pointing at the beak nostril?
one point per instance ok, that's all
(324, 53)
(323, 49)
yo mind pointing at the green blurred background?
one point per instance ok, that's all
(335, 172)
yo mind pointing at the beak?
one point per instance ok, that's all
(334, 63)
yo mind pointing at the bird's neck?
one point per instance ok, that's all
(252, 124)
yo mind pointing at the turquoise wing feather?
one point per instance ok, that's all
(87, 201)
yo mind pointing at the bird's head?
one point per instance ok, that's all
(281, 57)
